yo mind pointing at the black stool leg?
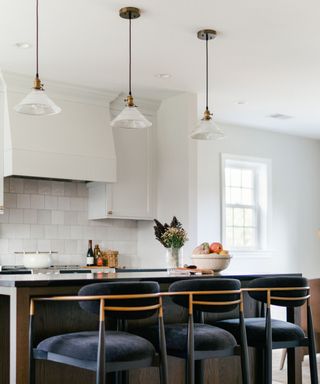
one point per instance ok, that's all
(312, 348)
(199, 371)
(190, 360)
(268, 349)
(244, 351)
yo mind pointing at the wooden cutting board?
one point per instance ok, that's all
(197, 270)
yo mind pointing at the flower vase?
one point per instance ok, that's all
(174, 257)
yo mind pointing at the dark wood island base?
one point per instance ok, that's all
(53, 318)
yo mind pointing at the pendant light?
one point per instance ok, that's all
(207, 129)
(37, 102)
(130, 117)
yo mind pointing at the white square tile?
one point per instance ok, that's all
(36, 231)
(4, 243)
(44, 187)
(70, 189)
(4, 217)
(44, 216)
(51, 202)
(31, 186)
(44, 246)
(15, 245)
(64, 203)
(16, 216)
(51, 232)
(82, 190)
(71, 246)
(29, 245)
(63, 231)
(10, 200)
(76, 232)
(101, 233)
(77, 203)
(58, 188)
(30, 216)
(16, 185)
(71, 218)
(82, 218)
(88, 232)
(37, 201)
(23, 201)
(6, 184)
(57, 217)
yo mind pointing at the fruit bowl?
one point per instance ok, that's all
(212, 261)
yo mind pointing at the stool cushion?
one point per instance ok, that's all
(120, 346)
(206, 337)
(256, 334)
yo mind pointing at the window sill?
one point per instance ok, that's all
(250, 253)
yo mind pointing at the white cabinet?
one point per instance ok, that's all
(132, 196)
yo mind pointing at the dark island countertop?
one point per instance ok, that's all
(65, 279)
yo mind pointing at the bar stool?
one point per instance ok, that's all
(196, 341)
(265, 333)
(106, 350)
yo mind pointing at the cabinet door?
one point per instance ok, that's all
(133, 193)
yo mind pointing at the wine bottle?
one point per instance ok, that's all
(90, 257)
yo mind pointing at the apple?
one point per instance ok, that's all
(216, 247)
(224, 252)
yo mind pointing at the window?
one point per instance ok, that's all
(245, 185)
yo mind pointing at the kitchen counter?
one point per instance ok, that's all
(53, 318)
(66, 279)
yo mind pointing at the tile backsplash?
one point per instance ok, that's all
(43, 215)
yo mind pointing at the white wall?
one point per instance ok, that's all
(175, 175)
(53, 215)
(294, 244)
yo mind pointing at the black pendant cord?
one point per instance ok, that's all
(37, 39)
(130, 54)
(207, 74)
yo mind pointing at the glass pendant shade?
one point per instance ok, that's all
(132, 118)
(207, 130)
(37, 103)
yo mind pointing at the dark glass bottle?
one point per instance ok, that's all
(90, 256)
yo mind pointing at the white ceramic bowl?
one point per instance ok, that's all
(211, 261)
(37, 260)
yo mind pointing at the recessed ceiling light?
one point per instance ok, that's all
(163, 75)
(241, 102)
(23, 44)
(280, 116)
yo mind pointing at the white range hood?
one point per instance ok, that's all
(76, 144)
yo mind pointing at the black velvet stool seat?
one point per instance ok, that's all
(196, 341)
(107, 350)
(265, 333)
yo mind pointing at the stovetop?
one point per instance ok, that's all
(55, 269)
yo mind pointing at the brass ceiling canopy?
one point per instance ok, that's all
(129, 13)
(205, 34)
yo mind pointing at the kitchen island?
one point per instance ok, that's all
(53, 318)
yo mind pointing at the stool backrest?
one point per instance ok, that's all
(293, 291)
(226, 301)
(124, 289)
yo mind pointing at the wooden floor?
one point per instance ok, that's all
(280, 377)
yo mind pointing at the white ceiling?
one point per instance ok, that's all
(267, 53)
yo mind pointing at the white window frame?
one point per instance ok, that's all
(263, 213)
